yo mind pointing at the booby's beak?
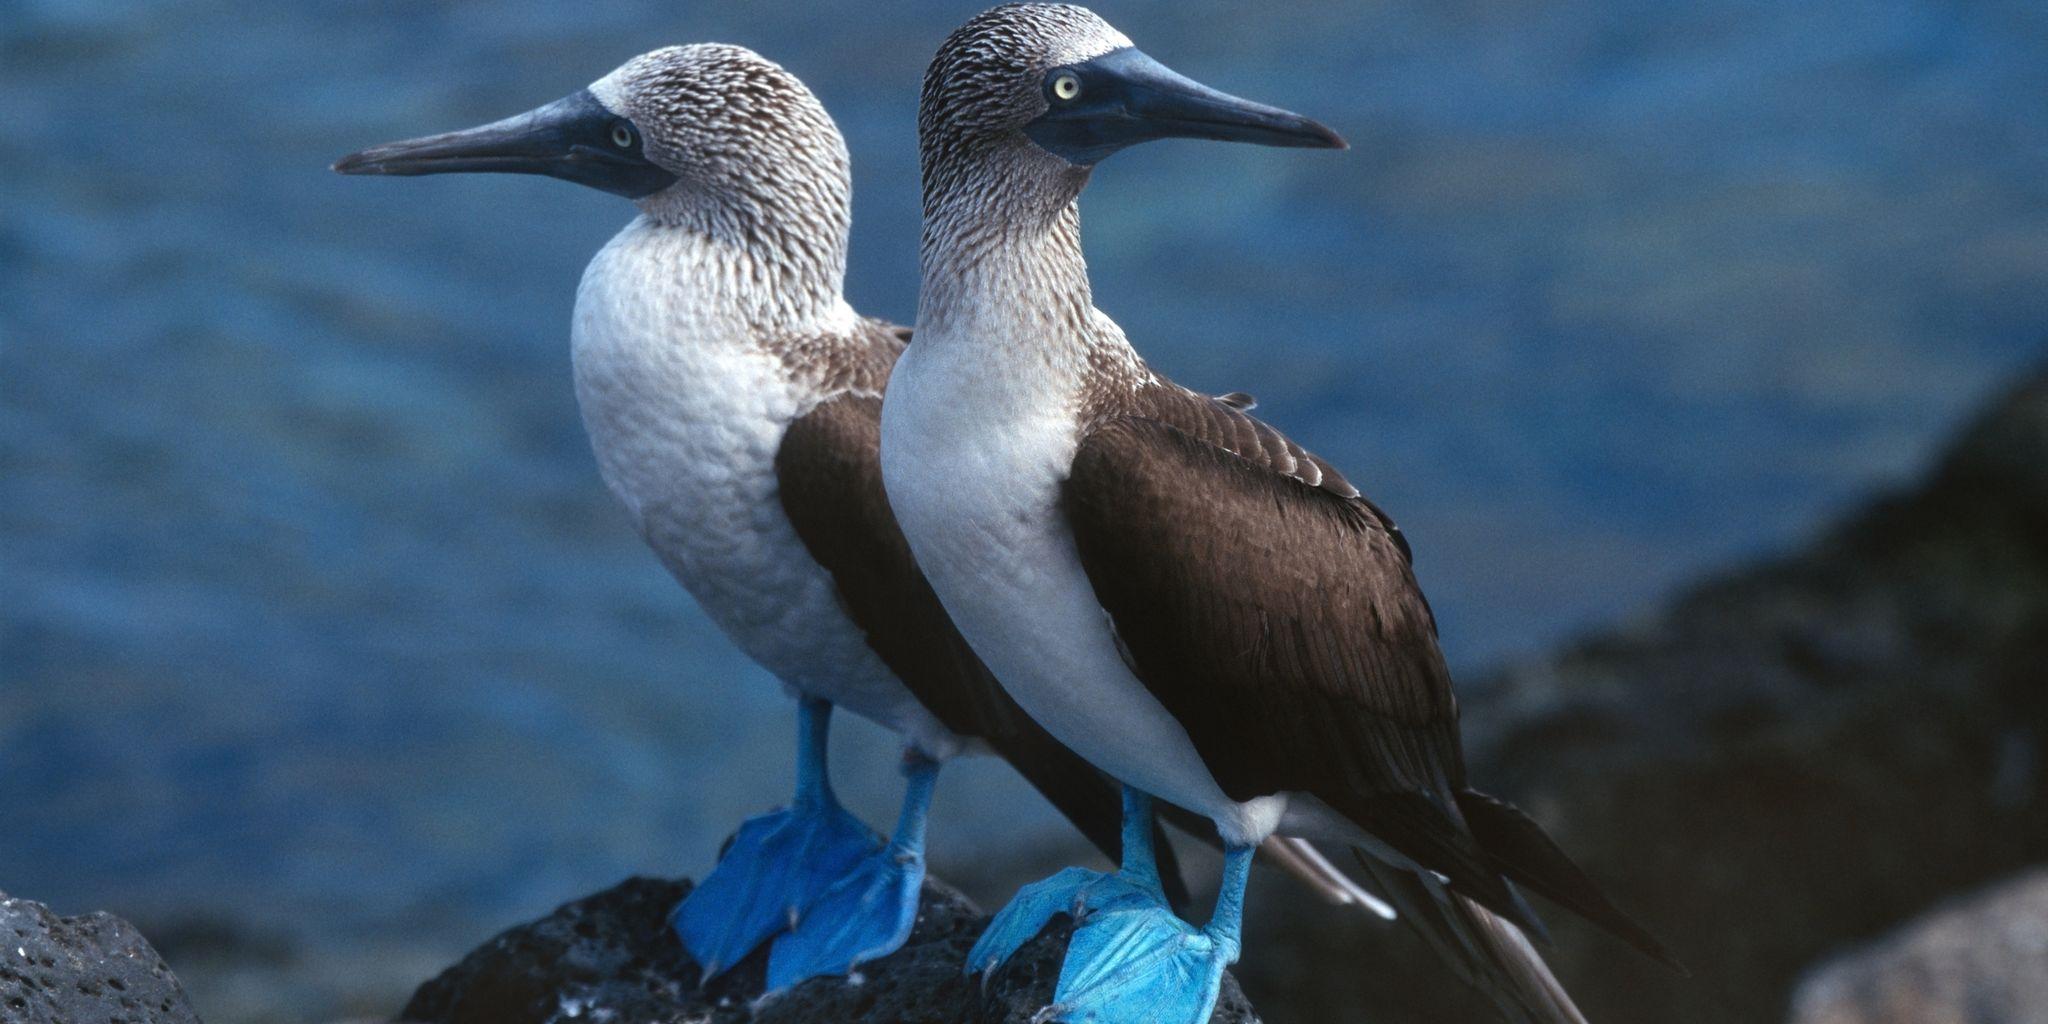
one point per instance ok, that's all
(574, 138)
(1124, 97)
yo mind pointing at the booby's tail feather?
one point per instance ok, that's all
(1433, 835)
(1300, 858)
(1520, 850)
(1488, 850)
(1484, 949)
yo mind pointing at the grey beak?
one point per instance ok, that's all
(1125, 97)
(574, 138)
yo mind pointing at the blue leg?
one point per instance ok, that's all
(1131, 959)
(870, 911)
(1075, 892)
(779, 863)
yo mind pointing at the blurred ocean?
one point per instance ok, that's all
(315, 617)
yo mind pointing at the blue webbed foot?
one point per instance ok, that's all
(868, 914)
(1075, 892)
(779, 864)
(1134, 960)
(1131, 960)
(870, 911)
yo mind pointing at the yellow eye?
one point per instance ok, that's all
(1066, 86)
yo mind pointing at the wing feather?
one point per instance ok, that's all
(1274, 612)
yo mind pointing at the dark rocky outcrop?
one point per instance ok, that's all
(1806, 753)
(72, 970)
(611, 958)
(1983, 960)
(1788, 760)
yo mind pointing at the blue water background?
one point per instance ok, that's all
(314, 613)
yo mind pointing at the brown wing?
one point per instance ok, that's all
(1273, 611)
(1265, 604)
(1273, 615)
(830, 472)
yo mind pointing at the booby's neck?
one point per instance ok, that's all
(775, 244)
(1003, 270)
(715, 266)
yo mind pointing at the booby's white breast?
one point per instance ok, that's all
(686, 408)
(978, 435)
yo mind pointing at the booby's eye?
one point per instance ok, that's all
(1066, 86)
(622, 135)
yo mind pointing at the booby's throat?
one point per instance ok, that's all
(765, 287)
(1029, 269)
(782, 256)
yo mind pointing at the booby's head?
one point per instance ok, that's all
(1061, 79)
(708, 135)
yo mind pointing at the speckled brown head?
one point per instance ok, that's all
(1059, 79)
(708, 135)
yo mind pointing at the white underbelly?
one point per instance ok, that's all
(978, 502)
(685, 430)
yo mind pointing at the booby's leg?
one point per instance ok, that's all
(869, 912)
(1076, 892)
(1133, 962)
(1131, 959)
(778, 864)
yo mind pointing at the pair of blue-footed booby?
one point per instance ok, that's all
(1197, 606)
(1190, 600)
(733, 399)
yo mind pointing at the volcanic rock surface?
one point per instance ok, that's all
(611, 958)
(1983, 959)
(91, 968)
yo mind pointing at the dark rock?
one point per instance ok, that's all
(611, 958)
(1983, 960)
(1790, 759)
(71, 970)
(1808, 752)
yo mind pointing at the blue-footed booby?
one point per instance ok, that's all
(733, 399)
(1193, 602)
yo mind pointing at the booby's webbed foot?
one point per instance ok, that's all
(1131, 959)
(778, 865)
(869, 912)
(1135, 961)
(1075, 892)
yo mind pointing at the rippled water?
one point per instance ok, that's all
(313, 611)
